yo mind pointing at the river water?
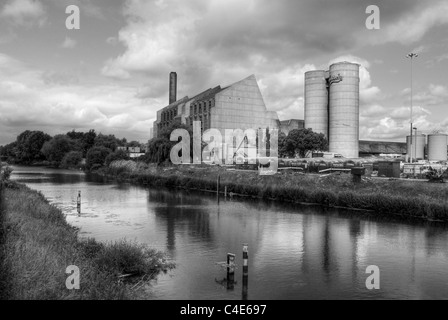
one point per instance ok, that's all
(295, 252)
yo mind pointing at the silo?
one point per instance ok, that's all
(316, 101)
(437, 147)
(420, 140)
(344, 109)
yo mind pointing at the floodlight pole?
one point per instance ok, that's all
(411, 56)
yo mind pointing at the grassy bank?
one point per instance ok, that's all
(407, 198)
(37, 245)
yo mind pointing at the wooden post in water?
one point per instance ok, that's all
(217, 186)
(225, 192)
(230, 271)
(245, 270)
(78, 202)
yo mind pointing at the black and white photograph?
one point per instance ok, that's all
(223, 155)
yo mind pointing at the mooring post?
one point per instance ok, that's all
(217, 187)
(230, 271)
(78, 202)
(245, 270)
(225, 192)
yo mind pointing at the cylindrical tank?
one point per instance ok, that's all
(173, 87)
(437, 147)
(316, 101)
(344, 109)
(418, 151)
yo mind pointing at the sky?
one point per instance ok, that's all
(112, 74)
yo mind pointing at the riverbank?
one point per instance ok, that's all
(406, 198)
(37, 245)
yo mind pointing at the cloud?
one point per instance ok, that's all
(56, 102)
(432, 95)
(24, 12)
(412, 25)
(68, 43)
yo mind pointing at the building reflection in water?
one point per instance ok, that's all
(181, 212)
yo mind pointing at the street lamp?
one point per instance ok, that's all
(411, 56)
(415, 143)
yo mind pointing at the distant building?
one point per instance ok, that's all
(134, 152)
(287, 125)
(377, 148)
(238, 106)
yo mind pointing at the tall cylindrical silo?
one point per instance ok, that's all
(437, 147)
(418, 151)
(344, 109)
(316, 101)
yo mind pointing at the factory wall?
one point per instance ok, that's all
(241, 106)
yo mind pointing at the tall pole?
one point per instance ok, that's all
(411, 56)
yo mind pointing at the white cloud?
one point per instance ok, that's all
(24, 12)
(69, 43)
(413, 26)
(29, 101)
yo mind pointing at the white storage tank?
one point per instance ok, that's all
(437, 147)
(316, 101)
(420, 140)
(344, 109)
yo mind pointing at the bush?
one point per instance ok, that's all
(71, 159)
(97, 156)
(117, 155)
(124, 257)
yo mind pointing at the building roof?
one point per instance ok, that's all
(382, 147)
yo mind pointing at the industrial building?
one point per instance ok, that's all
(288, 125)
(432, 147)
(332, 106)
(237, 106)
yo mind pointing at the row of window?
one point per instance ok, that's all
(169, 115)
(205, 121)
(201, 107)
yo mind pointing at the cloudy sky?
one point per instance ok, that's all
(112, 74)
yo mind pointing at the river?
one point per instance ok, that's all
(295, 252)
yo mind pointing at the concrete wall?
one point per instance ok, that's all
(241, 106)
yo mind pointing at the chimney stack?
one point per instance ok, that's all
(173, 87)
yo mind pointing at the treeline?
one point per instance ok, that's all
(87, 150)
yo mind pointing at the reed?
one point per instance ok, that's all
(407, 198)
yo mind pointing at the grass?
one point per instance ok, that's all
(408, 198)
(37, 245)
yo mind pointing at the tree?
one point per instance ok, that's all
(55, 149)
(117, 155)
(133, 144)
(107, 141)
(282, 152)
(71, 159)
(159, 148)
(9, 152)
(29, 145)
(97, 156)
(301, 141)
(86, 139)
